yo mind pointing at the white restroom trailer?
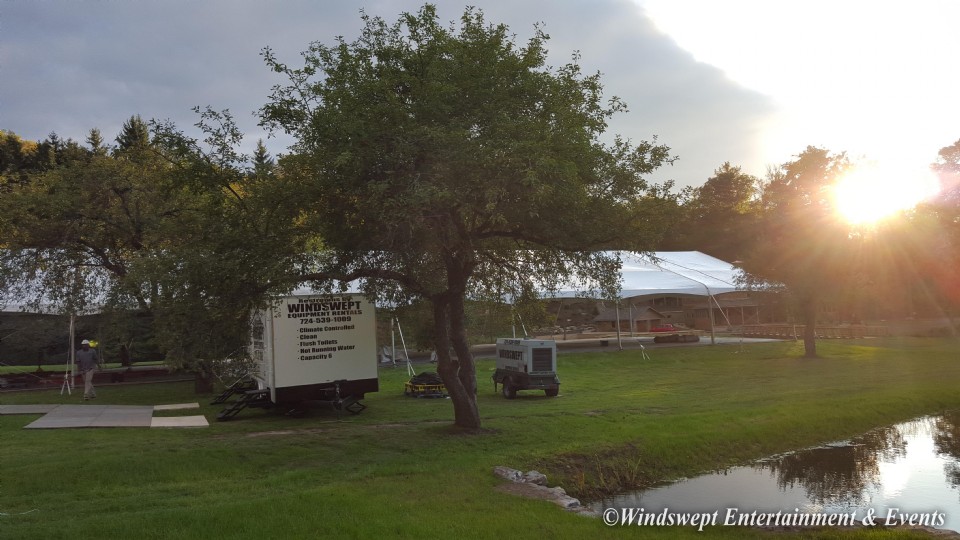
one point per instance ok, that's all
(310, 347)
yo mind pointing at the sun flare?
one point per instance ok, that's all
(868, 194)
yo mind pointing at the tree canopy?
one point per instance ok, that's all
(800, 241)
(946, 205)
(181, 234)
(449, 162)
(719, 217)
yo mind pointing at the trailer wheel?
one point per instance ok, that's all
(509, 391)
(552, 392)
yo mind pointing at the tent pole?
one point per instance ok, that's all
(393, 342)
(68, 374)
(559, 309)
(710, 299)
(73, 348)
(406, 355)
(713, 333)
(619, 343)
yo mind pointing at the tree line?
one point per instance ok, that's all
(433, 165)
(785, 229)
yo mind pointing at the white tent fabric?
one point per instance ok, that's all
(660, 272)
(306, 290)
(18, 306)
(673, 272)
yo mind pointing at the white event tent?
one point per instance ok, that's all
(672, 272)
(677, 272)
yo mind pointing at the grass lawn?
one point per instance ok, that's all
(7, 369)
(398, 470)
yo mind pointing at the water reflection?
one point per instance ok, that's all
(912, 467)
(946, 440)
(839, 474)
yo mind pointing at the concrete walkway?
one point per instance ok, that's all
(76, 416)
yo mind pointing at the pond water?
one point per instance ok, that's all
(909, 468)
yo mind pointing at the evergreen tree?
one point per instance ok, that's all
(263, 163)
(135, 134)
(95, 141)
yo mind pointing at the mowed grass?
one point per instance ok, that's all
(398, 470)
(28, 369)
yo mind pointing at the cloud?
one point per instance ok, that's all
(68, 66)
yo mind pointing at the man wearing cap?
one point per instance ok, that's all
(88, 362)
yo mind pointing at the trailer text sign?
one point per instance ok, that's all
(323, 338)
(325, 326)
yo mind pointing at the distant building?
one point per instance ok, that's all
(631, 319)
(686, 288)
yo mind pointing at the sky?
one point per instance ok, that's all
(746, 81)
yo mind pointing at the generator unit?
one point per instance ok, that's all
(526, 364)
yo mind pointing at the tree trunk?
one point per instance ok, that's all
(453, 373)
(810, 327)
(458, 338)
(202, 382)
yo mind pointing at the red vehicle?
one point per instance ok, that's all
(666, 327)
(671, 334)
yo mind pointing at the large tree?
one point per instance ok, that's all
(914, 256)
(445, 163)
(719, 217)
(800, 241)
(18, 158)
(946, 205)
(77, 227)
(934, 226)
(159, 225)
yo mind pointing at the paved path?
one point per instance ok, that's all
(76, 416)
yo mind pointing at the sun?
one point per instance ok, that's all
(871, 193)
